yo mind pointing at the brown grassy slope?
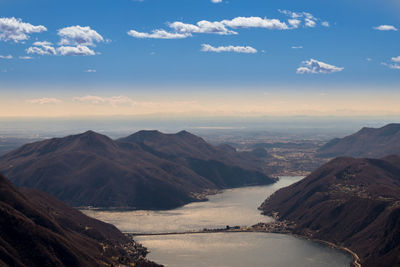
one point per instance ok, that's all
(367, 143)
(38, 230)
(351, 202)
(90, 169)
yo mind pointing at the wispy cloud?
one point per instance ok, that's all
(230, 48)
(90, 70)
(303, 18)
(216, 1)
(385, 28)
(396, 59)
(44, 101)
(6, 57)
(395, 65)
(96, 100)
(13, 29)
(25, 57)
(157, 34)
(297, 47)
(325, 24)
(313, 66)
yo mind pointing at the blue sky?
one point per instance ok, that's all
(324, 47)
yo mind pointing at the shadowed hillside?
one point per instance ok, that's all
(147, 170)
(350, 202)
(38, 230)
(368, 142)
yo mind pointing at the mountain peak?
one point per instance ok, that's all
(90, 139)
(90, 134)
(368, 142)
(142, 136)
(184, 132)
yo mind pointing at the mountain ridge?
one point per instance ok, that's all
(38, 230)
(367, 142)
(146, 170)
(350, 202)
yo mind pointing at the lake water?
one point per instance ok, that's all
(231, 207)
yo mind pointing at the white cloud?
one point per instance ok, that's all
(183, 30)
(42, 48)
(44, 101)
(396, 59)
(96, 100)
(315, 67)
(297, 47)
(255, 22)
(90, 71)
(309, 20)
(12, 29)
(25, 57)
(6, 57)
(394, 66)
(216, 1)
(385, 28)
(310, 23)
(325, 23)
(236, 49)
(369, 59)
(78, 35)
(295, 23)
(202, 26)
(291, 14)
(157, 34)
(79, 50)
(46, 48)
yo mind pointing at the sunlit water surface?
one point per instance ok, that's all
(241, 249)
(231, 207)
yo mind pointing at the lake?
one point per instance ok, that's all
(234, 207)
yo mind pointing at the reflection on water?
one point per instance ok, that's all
(232, 207)
(240, 249)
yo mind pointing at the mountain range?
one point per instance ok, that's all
(146, 170)
(351, 202)
(368, 142)
(36, 229)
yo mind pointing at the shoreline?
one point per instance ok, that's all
(276, 227)
(356, 260)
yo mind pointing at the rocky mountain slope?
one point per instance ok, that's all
(38, 230)
(350, 202)
(147, 170)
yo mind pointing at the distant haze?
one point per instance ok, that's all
(283, 127)
(193, 101)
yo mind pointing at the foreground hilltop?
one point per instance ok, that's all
(368, 142)
(147, 170)
(350, 202)
(38, 230)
